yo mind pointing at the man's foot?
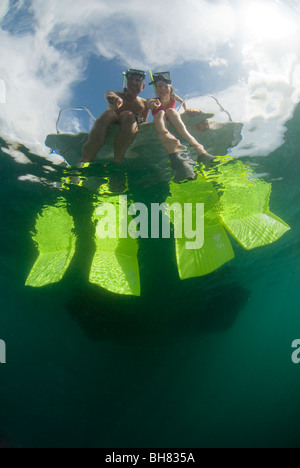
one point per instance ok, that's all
(82, 164)
(183, 165)
(118, 182)
(116, 175)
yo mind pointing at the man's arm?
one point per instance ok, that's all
(146, 112)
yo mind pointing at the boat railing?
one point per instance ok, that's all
(74, 109)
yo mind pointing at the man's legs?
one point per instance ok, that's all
(98, 135)
(128, 132)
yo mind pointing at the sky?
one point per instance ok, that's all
(58, 53)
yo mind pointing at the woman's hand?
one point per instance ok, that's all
(192, 113)
(153, 103)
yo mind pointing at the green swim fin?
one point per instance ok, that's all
(56, 244)
(217, 249)
(244, 207)
(115, 264)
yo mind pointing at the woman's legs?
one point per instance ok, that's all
(169, 142)
(175, 119)
(181, 161)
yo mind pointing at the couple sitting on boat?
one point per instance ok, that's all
(129, 110)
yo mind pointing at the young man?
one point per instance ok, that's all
(124, 108)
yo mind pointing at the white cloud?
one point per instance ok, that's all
(148, 33)
(2, 91)
(41, 65)
(271, 95)
(4, 6)
(218, 62)
(266, 96)
(263, 21)
(264, 104)
(38, 79)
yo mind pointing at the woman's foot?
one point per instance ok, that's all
(183, 165)
(206, 159)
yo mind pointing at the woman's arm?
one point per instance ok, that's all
(178, 99)
(186, 109)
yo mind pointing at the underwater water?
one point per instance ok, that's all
(199, 363)
(204, 362)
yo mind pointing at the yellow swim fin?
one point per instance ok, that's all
(115, 264)
(56, 241)
(244, 207)
(217, 249)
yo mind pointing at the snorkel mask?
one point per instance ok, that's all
(161, 76)
(131, 72)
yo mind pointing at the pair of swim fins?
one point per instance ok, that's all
(234, 201)
(115, 263)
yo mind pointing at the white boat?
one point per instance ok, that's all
(146, 150)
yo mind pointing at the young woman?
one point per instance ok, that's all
(163, 110)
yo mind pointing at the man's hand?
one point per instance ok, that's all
(115, 101)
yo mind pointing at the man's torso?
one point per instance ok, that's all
(137, 106)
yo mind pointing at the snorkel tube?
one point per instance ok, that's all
(125, 81)
(152, 81)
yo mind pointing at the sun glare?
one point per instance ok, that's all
(263, 22)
